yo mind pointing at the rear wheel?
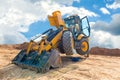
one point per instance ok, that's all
(82, 46)
(68, 43)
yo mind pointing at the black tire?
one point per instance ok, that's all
(68, 43)
(60, 47)
(79, 45)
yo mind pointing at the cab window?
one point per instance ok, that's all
(85, 26)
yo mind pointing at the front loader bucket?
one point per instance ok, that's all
(39, 63)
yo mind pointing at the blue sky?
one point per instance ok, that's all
(20, 20)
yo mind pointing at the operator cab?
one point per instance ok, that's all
(78, 26)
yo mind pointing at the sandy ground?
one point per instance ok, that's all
(6, 55)
(96, 67)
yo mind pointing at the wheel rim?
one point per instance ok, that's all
(84, 46)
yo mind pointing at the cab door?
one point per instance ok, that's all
(85, 26)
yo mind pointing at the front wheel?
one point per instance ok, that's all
(82, 46)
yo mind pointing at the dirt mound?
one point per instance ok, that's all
(105, 51)
(14, 46)
(21, 46)
(6, 46)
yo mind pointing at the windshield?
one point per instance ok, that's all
(70, 22)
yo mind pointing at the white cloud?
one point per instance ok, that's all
(92, 24)
(17, 15)
(115, 41)
(113, 27)
(100, 38)
(105, 34)
(80, 11)
(66, 2)
(104, 39)
(114, 5)
(104, 10)
(12, 38)
(69, 10)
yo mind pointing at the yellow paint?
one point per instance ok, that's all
(29, 47)
(88, 39)
(35, 47)
(84, 46)
(51, 20)
(80, 37)
(54, 41)
(42, 47)
(56, 19)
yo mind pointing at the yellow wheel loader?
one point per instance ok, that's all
(43, 52)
